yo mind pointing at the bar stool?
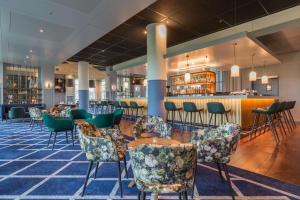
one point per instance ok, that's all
(104, 106)
(126, 108)
(290, 106)
(215, 108)
(190, 107)
(135, 106)
(116, 105)
(171, 107)
(279, 114)
(268, 113)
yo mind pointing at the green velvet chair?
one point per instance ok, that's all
(55, 125)
(118, 114)
(16, 113)
(80, 114)
(102, 120)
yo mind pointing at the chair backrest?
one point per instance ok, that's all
(124, 104)
(116, 104)
(99, 149)
(103, 120)
(164, 165)
(189, 107)
(118, 113)
(273, 108)
(170, 106)
(17, 112)
(48, 120)
(215, 108)
(291, 104)
(78, 114)
(133, 104)
(152, 124)
(281, 107)
(216, 145)
(35, 113)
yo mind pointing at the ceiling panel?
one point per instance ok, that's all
(186, 20)
(29, 26)
(79, 5)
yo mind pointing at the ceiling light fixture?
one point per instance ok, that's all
(41, 30)
(187, 75)
(264, 78)
(235, 69)
(145, 32)
(27, 57)
(252, 74)
(30, 51)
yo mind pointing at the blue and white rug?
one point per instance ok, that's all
(30, 170)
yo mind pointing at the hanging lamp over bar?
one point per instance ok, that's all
(252, 74)
(187, 75)
(235, 69)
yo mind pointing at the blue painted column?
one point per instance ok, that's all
(83, 84)
(156, 70)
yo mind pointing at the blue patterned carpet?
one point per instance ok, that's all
(30, 170)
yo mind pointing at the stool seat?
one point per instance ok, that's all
(259, 110)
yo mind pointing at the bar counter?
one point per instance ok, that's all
(240, 105)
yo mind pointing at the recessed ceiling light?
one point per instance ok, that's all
(145, 32)
(27, 57)
(30, 51)
(102, 50)
(167, 21)
(41, 30)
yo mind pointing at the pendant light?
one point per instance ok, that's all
(187, 75)
(264, 78)
(235, 69)
(252, 74)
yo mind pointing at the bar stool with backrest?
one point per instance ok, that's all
(215, 108)
(191, 108)
(290, 106)
(116, 105)
(125, 107)
(135, 106)
(278, 117)
(171, 107)
(268, 113)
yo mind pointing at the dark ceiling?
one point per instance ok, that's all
(186, 20)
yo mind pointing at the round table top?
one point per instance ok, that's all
(154, 140)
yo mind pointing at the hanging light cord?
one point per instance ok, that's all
(252, 61)
(234, 44)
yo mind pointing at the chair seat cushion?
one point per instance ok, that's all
(259, 110)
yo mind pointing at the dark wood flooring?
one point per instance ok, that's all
(260, 155)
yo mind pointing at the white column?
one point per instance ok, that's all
(47, 85)
(156, 71)
(2, 77)
(110, 82)
(83, 84)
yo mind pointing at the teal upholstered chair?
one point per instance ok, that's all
(56, 125)
(16, 113)
(217, 108)
(102, 120)
(118, 114)
(164, 169)
(151, 124)
(35, 117)
(80, 114)
(217, 145)
(109, 147)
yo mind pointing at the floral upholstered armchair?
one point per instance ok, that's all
(35, 116)
(151, 124)
(164, 169)
(102, 145)
(217, 145)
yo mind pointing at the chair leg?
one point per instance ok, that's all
(220, 172)
(87, 178)
(54, 141)
(180, 196)
(49, 139)
(67, 137)
(274, 132)
(292, 118)
(180, 118)
(185, 195)
(72, 137)
(96, 170)
(125, 166)
(119, 178)
(201, 122)
(226, 117)
(228, 180)
(215, 120)
(211, 115)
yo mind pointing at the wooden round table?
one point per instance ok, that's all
(154, 140)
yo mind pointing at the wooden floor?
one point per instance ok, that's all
(260, 155)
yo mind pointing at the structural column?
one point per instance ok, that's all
(156, 70)
(111, 83)
(47, 85)
(83, 84)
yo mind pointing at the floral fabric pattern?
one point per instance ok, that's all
(152, 124)
(216, 145)
(66, 112)
(108, 147)
(35, 113)
(163, 169)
